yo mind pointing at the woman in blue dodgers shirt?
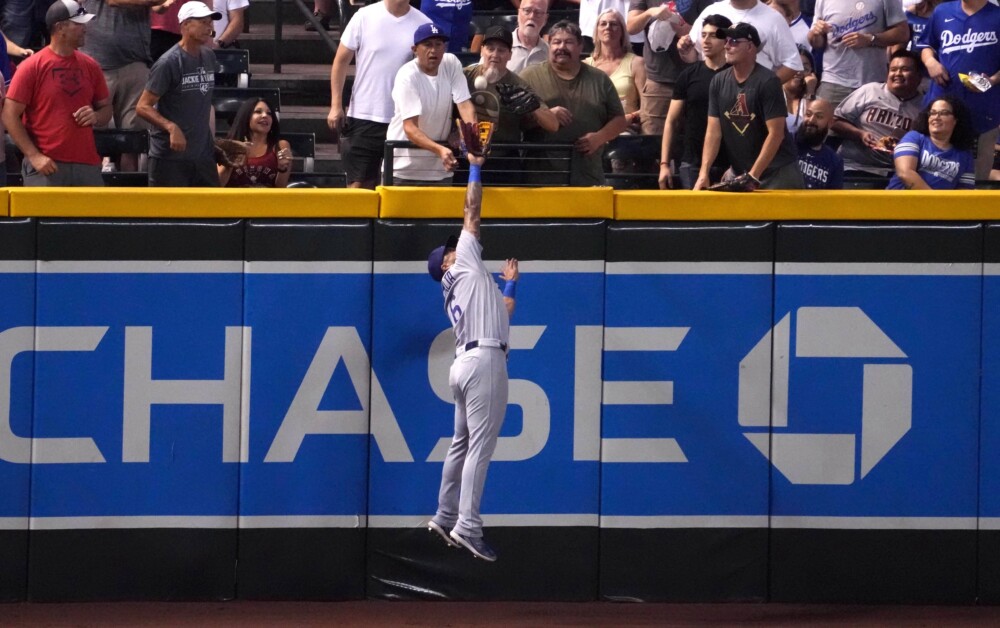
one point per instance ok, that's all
(937, 153)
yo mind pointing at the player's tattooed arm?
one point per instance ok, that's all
(473, 199)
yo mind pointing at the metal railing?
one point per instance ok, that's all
(513, 165)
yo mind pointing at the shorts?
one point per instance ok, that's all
(177, 173)
(125, 84)
(362, 149)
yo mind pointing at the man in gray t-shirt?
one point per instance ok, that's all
(177, 101)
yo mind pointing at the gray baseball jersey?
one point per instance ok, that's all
(472, 298)
(873, 108)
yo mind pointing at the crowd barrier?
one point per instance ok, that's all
(759, 397)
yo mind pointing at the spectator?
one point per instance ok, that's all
(799, 91)
(423, 93)
(229, 27)
(19, 22)
(777, 51)
(918, 16)
(798, 23)
(494, 55)
(380, 35)
(165, 29)
(177, 102)
(452, 17)
(529, 47)
(690, 107)
(268, 162)
(937, 153)
(613, 56)
(11, 51)
(56, 98)
(854, 39)
(660, 27)
(118, 39)
(821, 167)
(321, 10)
(876, 115)
(961, 39)
(584, 101)
(746, 114)
(590, 9)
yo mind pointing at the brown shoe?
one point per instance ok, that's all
(324, 21)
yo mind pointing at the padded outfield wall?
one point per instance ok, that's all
(765, 397)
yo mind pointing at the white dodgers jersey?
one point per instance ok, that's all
(472, 299)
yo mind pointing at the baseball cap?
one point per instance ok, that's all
(436, 258)
(195, 10)
(499, 33)
(66, 10)
(741, 31)
(428, 31)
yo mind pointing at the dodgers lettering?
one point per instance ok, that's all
(950, 42)
(813, 171)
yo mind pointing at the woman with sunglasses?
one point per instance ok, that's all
(268, 162)
(937, 153)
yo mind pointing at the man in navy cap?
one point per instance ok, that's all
(422, 96)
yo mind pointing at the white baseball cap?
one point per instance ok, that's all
(192, 10)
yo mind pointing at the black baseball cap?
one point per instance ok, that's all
(436, 258)
(741, 31)
(499, 33)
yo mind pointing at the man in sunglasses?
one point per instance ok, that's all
(746, 115)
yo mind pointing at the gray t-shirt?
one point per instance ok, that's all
(873, 108)
(184, 84)
(743, 110)
(117, 36)
(855, 67)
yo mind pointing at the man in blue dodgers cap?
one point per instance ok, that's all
(422, 95)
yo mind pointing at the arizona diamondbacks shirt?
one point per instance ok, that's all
(966, 43)
(472, 299)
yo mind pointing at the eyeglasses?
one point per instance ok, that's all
(609, 25)
(535, 12)
(939, 113)
(732, 42)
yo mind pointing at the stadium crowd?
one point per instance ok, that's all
(735, 94)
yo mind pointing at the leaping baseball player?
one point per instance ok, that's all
(480, 315)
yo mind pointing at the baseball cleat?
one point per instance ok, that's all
(441, 532)
(476, 545)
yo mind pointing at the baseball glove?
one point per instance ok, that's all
(475, 138)
(518, 99)
(743, 183)
(230, 153)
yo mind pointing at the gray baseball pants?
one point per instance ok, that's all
(478, 379)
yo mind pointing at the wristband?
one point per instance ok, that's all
(510, 289)
(475, 173)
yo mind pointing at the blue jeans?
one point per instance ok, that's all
(18, 21)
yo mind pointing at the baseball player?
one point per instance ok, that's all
(480, 316)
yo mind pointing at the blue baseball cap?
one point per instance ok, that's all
(428, 31)
(436, 258)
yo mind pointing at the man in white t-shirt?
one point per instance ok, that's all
(422, 95)
(854, 36)
(230, 26)
(379, 35)
(777, 51)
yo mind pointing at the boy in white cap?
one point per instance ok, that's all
(56, 98)
(177, 102)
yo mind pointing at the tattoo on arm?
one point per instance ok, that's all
(473, 207)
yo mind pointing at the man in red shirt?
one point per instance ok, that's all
(56, 98)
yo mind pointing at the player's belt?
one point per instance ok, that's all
(485, 342)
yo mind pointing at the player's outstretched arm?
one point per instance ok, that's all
(509, 273)
(474, 195)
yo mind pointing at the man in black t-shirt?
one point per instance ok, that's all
(689, 110)
(746, 115)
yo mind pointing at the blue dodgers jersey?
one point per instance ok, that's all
(821, 169)
(453, 16)
(966, 43)
(942, 169)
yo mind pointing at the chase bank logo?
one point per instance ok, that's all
(811, 458)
